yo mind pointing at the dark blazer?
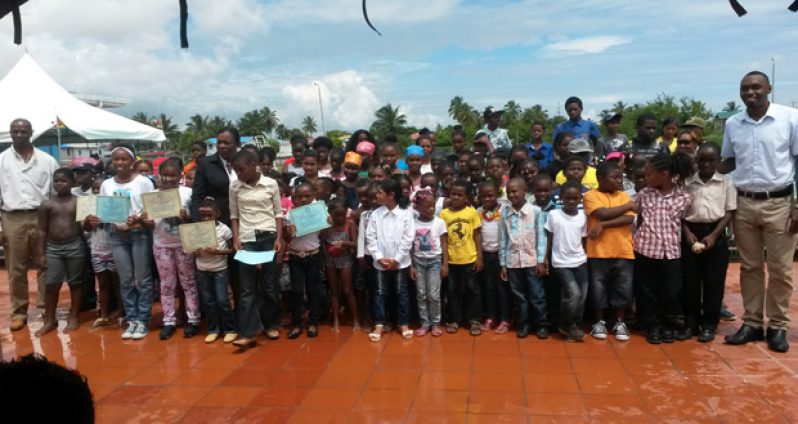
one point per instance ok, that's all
(211, 179)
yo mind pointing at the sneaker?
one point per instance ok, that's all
(167, 332)
(620, 331)
(128, 333)
(190, 330)
(487, 325)
(140, 332)
(727, 315)
(210, 338)
(230, 337)
(599, 330)
(576, 333)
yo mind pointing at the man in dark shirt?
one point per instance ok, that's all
(645, 143)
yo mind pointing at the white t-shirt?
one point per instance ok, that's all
(427, 242)
(490, 232)
(567, 233)
(426, 168)
(215, 263)
(132, 190)
(166, 233)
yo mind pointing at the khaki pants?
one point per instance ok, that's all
(761, 225)
(22, 238)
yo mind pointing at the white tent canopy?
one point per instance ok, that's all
(28, 92)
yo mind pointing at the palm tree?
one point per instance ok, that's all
(141, 117)
(618, 107)
(219, 122)
(389, 120)
(463, 113)
(512, 111)
(268, 119)
(536, 113)
(308, 125)
(455, 106)
(283, 132)
(200, 125)
(732, 107)
(169, 129)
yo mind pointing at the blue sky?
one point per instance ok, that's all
(249, 53)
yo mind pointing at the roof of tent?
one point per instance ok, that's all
(28, 92)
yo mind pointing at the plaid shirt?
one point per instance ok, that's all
(522, 239)
(660, 232)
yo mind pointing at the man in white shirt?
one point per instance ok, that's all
(499, 138)
(761, 145)
(26, 180)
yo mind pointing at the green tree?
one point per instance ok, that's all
(309, 125)
(200, 126)
(283, 133)
(732, 107)
(463, 113)
(258, 122)
(389, 121)
(219, 122)
(512, 113)
(141, 117)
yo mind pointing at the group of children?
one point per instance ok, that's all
(489, 240)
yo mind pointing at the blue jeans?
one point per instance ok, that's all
(428, 289)
(133, 257)
(528, 292)
(215, 302)
(573, 283)
(396, 281)
(258, 305)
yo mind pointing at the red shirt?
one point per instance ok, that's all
(660, 233)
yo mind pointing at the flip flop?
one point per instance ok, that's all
(101, 322)
(407, 334)
(375, 337)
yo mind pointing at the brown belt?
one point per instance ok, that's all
(303, 253)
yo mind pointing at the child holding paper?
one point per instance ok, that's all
(174, 264)
(304, 263)
(212, 278)
(130, 243)
(256, 217)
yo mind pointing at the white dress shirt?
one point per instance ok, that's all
(25, 185)
(390, 235)
(764, 150)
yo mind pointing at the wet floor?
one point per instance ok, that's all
(455, 378)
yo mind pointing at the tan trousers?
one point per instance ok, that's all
(22, 237)
(760, 228)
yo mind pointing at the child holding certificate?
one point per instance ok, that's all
(130, 243)
(304, 263)
(173, 263)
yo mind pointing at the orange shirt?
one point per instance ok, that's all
(612, 243)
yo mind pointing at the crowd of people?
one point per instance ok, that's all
(592, 231)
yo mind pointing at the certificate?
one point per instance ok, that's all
(162, 204)
(309, 218)
(198, 235)
(86, 205)
(113, 209)
(254, 258)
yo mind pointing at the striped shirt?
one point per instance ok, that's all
(660, 232)
(522, 239)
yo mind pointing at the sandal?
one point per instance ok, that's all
(476, 329)
(436, 331)
(452, 327)
(503, 328)
(374, 336)
(101, 322)
(407, 334)
(245, 343)
(487, 325)
(422, 331)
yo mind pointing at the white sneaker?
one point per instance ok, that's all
(128, 333)
(599, 330)
(140, 332)
(621, 331)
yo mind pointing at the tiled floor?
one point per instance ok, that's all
(345, 378)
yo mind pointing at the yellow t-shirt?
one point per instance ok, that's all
(589, 180)
(612, 243)
(672, 145)
(460, 227)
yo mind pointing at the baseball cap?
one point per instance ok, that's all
(353, 158)
(85, 167)
(695, 121)
(365, 148)
(580, 145)
(490, 111)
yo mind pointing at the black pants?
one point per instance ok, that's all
(704, 279)
(495, 293)
(465, 297)
(305, 278)
(657, 282)
(258, 303)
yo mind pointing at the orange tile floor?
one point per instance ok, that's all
(455, 378)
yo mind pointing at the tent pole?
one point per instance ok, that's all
(58, 138)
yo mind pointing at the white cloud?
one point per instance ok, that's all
(589, 45)
(347, 100)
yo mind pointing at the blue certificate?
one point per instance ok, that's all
(113, 209)
(254, 258)
(309, 218)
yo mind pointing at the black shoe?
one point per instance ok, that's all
(190, 330)
(744, 335)
(167, 332)
(777, 340)
(726, 314)
(543, 332)
(685, 334)
(706, 335)
(667, 336)
(522, 332)
(576, 333)
(654, 336)
(313, 333)
(294, 333)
